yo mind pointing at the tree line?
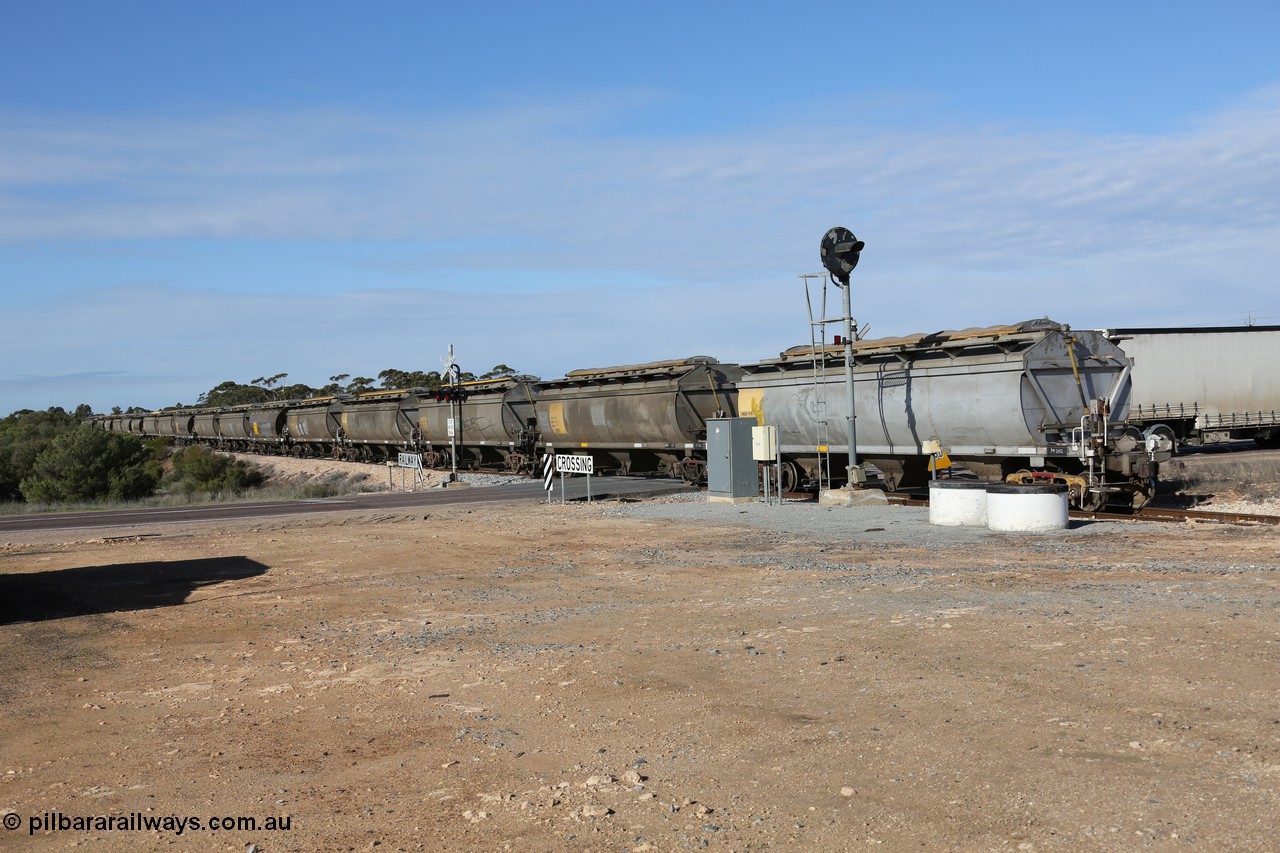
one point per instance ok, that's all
(56, 456)
(270, 389)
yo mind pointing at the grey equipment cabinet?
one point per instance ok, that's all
(732, 474)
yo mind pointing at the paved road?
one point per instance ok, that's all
(575, 489)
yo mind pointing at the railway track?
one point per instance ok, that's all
(1165, 514)
(1145, 514)
(921, 499)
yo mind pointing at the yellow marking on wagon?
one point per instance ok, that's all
(751, 404)
(555, 414)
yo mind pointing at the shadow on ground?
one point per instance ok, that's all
(38, 596)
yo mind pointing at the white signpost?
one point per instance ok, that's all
(567, 464)
(548, 473)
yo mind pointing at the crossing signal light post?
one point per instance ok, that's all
(450, 395)
(840, 251)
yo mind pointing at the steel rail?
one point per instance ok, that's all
(1147, 513)
(1176, 515)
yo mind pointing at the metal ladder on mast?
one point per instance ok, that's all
(817, 349)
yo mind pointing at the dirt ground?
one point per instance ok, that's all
(534, 677)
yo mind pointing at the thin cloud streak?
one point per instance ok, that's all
(986, 197)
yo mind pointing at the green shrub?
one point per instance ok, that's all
(311, 491)
(196, 469)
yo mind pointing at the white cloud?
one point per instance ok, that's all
(965, 226)
(972, 196)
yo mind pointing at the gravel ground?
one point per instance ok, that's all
(664, 675)
(804, 519)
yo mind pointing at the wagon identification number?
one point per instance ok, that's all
(575, 464)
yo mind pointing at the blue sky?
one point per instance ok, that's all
(196, 193)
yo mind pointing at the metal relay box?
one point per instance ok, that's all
(764, 443)
(732, 471)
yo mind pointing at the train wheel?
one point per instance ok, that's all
(1268, 438)
(1092, 501)
(790, 477)
(1163, 431)
(691, 471)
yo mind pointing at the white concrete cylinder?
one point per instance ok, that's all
(1026, 509)
(958, 502)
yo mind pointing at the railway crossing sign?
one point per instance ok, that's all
(575, 464)
(566, 464)
(412, 461)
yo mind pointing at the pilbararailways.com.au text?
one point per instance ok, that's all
(47, 822)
